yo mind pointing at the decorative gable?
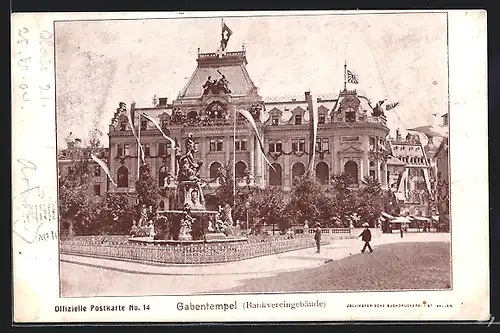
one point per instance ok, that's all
(275, 115)
(351, 150)
(322, 115)
(297, 117)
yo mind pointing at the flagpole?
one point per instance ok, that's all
(139, 148)
(345, 74)
(234, 159)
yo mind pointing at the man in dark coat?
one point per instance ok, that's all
(366, 236)
(317, 236)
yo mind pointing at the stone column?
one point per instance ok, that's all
(287, 178)
(366, 157)
(228, 148)
(172, 161)
(333, 150)
(259, 174)
(251, 147)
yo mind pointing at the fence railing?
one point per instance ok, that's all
(202, 253)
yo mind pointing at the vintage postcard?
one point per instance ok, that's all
(250, 166)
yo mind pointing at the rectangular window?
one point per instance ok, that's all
(298, 120)
(240, 144)
(271, 146)
(220, 144)
(325, 145)
(372, 174)
(278, 146)
(123, 125)
(275, 120)
(126, 150)
(318, 144)
(302, 145)
(321, 119)
(213, 145)
(295, 145)
(119, 150)
(97, 171)
(144, 125)
(147, 149)
(162, 148)
(97, 190)
(372, 143)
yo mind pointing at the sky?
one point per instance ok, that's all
(401, 57)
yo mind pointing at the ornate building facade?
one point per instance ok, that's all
(351, 136)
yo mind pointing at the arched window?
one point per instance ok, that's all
(298, 170)
(162, 205)
(275, 175)
(322, 173)
(351, 168)
(162, 173)
(122, 174)
(240, 168)
(214, 169)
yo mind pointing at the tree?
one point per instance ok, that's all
(146, 187)
(114, 215)
(270, 205)
(370, 202)
(75, 205)
(307, 199)
(344, 200)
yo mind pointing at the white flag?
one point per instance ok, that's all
(248, 116)
(129, 116)
(104, 167)
(159, 128)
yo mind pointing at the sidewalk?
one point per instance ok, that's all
(261, 266)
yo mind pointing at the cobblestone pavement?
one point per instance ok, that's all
(83, 276)
(392, 267)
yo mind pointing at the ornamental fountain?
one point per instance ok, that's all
(190, 211)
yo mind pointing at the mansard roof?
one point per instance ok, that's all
(232, 65)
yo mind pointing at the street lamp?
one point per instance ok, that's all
(247, 206)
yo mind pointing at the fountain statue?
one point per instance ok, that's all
(189, 219)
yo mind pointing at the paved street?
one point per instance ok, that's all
(82, 276)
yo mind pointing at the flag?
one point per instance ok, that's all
(103, 165)
(351, 78)
(130, 117)
(225, 34)
(248, 116)
(172, 142)
(313, 130)
(391, 106)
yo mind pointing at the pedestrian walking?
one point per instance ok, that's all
(317, 237)
(366, 236)
(401, 230)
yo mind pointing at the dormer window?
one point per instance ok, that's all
(350, 115)
(274, 120)
(321, 118)
(164, 124)
(123, 125)
(298, 119)
(144, 125)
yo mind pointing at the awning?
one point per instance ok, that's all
(387, 216)
(400, 219)
(420, 218)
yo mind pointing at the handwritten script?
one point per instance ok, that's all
(34, 60)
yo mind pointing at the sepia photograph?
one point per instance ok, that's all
(253, 154)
